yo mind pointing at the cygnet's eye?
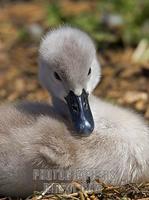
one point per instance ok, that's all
(89, 72)
(57, 76)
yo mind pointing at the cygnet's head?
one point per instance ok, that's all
(69, 70)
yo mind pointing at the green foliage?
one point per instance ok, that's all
(53, 14)
(86, 21)
(134, 15)
(23, 34)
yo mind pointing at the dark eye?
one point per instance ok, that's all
(57, 76)
(89, 72)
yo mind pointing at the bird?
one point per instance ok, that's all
(77, 130)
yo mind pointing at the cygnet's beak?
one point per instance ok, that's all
(80, 112)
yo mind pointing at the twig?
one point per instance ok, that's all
(45, 191)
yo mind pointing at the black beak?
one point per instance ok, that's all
(80, 112)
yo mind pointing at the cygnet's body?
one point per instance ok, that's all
(35, 135)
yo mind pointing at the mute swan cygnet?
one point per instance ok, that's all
(39, 135)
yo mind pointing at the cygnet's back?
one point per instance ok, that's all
(32, 135)
(116, 151)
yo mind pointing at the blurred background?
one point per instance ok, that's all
(120, 29)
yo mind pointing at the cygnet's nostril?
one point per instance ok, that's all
(75, 108)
